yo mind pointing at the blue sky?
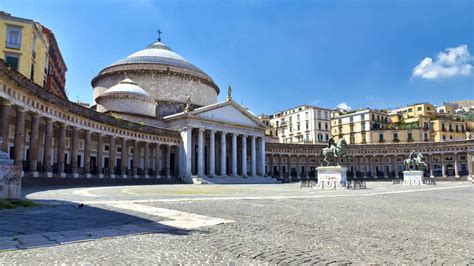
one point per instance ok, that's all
(278, 54)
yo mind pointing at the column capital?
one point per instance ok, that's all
(224, 133)
(34, 114)
(244, 135)
(212, 131)
(200, 129)
(19, 108)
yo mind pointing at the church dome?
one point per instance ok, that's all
(167, 77)
(126, 97)
(157, 53)
(127, 87)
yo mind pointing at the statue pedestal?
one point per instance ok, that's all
(412, 177)
(10, 178)
(332, 177)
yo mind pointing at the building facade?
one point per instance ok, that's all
(56, 75)
(24, 47)
(303, 124)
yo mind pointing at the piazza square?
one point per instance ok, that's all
(163, 163)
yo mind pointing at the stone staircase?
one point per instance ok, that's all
(234, 180)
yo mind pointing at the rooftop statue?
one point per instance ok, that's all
(229, 93)
(188, 107)
(334, 150)
(414, 162)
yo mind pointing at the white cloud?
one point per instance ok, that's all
(453, 62)
(344, 106)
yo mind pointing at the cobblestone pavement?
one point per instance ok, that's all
(382, 225)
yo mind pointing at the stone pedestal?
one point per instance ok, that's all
(412, 177)
(332, 177)
(10, 178)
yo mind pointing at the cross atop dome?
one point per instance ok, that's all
(159, 35)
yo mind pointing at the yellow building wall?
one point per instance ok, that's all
(438, 133)
(26, 50)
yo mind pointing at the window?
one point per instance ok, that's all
(410, 110)
(362, 117)
(13, 37)
(381, 137)
(410, 136)
(32, 71)
(395, 136)
(13, 60)
(419, 108)
(319, 125)
(352, 128)
(351, 119)
(363, 126)
(33, 46)
(307, 126)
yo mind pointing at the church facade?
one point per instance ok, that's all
(155, 115)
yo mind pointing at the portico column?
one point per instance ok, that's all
(136, 158)
(74, 150)
(443, 166)
(456, 173)
(234, 154)
(5, 125)
(146, 163)
(19, 147)
(186, 153)
(253, 157)
(223, 154)
(100, 155)
(297, 166)
(200, 152)
(384, 165)
(280, 171)
(34, 144)
(469, 165)
(168, 161)
(87, 154)
(124, 158)
(61, 149)
(112, 155)
(244, 156)
(48, 144)
(262, 156)
(158, 166)
(431, 166)
(212, 153)
(395, 166)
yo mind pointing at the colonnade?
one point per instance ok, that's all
(442, 164)
(209, 152)
(41, 145)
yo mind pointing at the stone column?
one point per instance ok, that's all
(19, 148)
(61, 149)
(395, 166)
(253, 156)
(146, 161)
(280, 172)
(187, 141)
(384, 165)
(212, 153)
(443, 166)
(100, 154)
(5, 125)
(223, 154)
(297, 166)
(124, 158)
(200, 152)
(112, 157)
(48, 144)
(431, 166)
(87, 153)
(136, 158)
(262, 156)
(456, 172)
(168, 161)
(469, 165)
(74, 151)
(158, 165)
(34, 145)
(306, 159)
(234, 154)
(244, 156)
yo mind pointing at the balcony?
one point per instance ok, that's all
(381, 141)
(396, 140)
(410, 140)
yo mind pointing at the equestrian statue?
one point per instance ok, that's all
(334, 150)
(414, 162)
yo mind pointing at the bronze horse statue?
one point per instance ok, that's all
(414, 162)
(336, 150)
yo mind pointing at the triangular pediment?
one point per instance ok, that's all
(227, 114)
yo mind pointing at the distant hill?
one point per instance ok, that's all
(462, 103)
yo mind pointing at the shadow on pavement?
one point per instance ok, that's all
(61, 222)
